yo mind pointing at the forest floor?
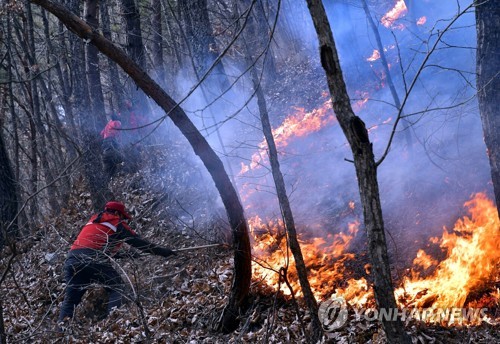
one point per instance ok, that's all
(174, 300)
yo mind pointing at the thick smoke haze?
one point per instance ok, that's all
(423, 187)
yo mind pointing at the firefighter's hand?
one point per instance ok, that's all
(166, 252)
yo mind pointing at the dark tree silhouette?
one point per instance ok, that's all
(488, 83)
(366, 171)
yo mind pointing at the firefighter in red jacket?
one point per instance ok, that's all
(88, 260)
(111, 155)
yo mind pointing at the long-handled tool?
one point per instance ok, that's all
(197, 247)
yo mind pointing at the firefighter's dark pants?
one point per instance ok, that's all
(111, 156)
(81, 269)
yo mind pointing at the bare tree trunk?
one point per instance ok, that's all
(91, 158)
(488, 83)
(135, 45)
(157, 44)
(34, 109)
(286, 209)
(10, 189)
(3, 336)
(167, 4)
(64, 75)
(97, 180)
(390, 82)
(201, 40)
(97, 116)
(80, 89)
(39, 131)
(8, 196)
(241, 242)
(366, 171)
(114, 78)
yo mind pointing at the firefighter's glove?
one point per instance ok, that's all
(166, 252)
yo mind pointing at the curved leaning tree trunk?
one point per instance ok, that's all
(241, 242)
(366, 172)
(488, 83)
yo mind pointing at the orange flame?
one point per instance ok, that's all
(473, 259)
(375, 56)
(422, 20)
(399, 10)
(299, 124)
(324, 256)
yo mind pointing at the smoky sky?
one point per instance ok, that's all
(437, 159)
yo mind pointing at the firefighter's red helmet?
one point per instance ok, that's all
(119, 207)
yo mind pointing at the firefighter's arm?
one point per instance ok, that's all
(136, 241)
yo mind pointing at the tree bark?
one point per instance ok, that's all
(80, 90)
(390, 82)
(3, 336)
(114, 77)
(366, 171)
(64, 79)
(8, 196)
(37, 129)
(286, 209)
(488, 83)
(97, 116)
(157, 41)
(135, 46)
(234, 209)
(176, 47)
(34, 108)
(201, 40)
(9, 188)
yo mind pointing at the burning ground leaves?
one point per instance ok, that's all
(466, 280)
(179, 299)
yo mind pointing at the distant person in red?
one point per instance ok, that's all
(88, 260)
(112, 129)
(111, 155)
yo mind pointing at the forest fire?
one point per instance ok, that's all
(325, 256)
(471, 266)
(298, 124)
(399, 10)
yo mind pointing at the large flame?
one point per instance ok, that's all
(298, 124)
(324, 256)
(389, 19)
(301, 123)
(473, 258)
(472, 262)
